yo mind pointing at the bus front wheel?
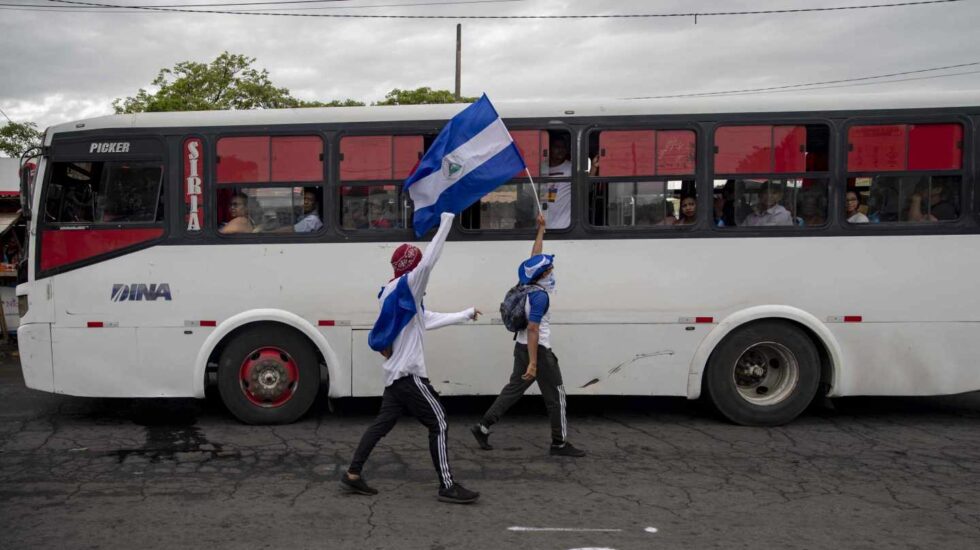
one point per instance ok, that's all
(268, 375)
(764, 374)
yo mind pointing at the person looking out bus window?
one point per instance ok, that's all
(533, 358)
(238, 209)
(852, 206)
(310, 221)
(812, 211)
(769, 211)
(378, 217)
(937, 208)
(558, 197)
(689, 210)
(399, 333)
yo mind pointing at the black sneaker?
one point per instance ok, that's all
(457, 494)
(566, 449)
(481, 438)
(358, 486)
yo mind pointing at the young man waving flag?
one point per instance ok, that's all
(472, 155)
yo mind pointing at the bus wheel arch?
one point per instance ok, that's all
(233, 328)
(826, 346)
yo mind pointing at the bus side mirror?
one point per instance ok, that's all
(25, 190)
(28, 169)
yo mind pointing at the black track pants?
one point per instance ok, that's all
(415, 396)
(549, 381)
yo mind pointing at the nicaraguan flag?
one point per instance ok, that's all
(472, 156)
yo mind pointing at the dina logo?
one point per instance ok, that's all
(451, 168)
(139, 292)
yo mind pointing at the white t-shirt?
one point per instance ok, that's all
(558, 197)
(775, 215)
(407, 352)
(542, 301)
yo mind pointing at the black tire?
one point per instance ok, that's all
(778, 344)
(267, 337)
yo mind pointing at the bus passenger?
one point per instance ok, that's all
(689, 210)
(768, 211)
(238, 209)
(399, 332)
(938, 208)
(310, 221)
(533, 350)
(852, 204)
(812, 209)
(558, 199)
(378, 217)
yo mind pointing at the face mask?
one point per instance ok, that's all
(548, 283)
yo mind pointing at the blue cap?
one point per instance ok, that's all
(534, 266)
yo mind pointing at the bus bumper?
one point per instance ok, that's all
(34, 343)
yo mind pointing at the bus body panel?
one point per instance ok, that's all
(34, 343)
(619, 301)
(909, 358)
(102, 362)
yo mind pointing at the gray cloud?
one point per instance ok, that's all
(62, 66)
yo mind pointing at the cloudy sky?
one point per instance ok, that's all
(60, 63)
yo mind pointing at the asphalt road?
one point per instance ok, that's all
(661, 473)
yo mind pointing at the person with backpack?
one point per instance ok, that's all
(398, 335)
(533, 357)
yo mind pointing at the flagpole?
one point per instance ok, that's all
(534, 189)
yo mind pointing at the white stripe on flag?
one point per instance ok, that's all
(478, 150)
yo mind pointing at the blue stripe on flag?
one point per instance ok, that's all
(461, 128)
(500, 168)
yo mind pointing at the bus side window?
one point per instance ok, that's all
(642, 178)
(772, 175)
(905, 173)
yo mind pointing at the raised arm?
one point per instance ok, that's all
(434, 320)
(539, 239)
(419, 277)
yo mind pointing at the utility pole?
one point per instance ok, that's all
(459, 56)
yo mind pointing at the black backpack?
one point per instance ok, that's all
(512, 311)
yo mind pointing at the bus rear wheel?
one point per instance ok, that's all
(268, 375)
(764, 374)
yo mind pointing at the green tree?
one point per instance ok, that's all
(422, 96)
(15, 138)
(228, 82)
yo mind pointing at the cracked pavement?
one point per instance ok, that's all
(115, 473)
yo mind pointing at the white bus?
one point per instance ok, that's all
(833, 251)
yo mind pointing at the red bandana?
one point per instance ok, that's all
(405, 258)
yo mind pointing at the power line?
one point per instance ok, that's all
(856, 84)
(5, 116)
(695, 15)
(280, 2)
(808, 84)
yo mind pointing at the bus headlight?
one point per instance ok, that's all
(22, 305)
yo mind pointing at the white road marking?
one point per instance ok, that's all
(651, 529)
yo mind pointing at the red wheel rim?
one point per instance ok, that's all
(268, 377)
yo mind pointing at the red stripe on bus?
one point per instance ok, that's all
(209, 323)
(852, 318)
(95, 324)
(62, 246)
(704, 319)
(326, 323)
